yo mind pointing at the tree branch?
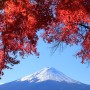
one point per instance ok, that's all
(84, 26)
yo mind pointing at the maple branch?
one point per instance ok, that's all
(84, 26)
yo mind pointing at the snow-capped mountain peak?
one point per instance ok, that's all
(45, 79)
(48, 74)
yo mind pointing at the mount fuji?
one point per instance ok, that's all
(45, 79)
(48, 74)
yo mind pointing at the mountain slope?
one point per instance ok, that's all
(48, 74)
(46, 79)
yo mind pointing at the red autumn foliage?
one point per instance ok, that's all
(64, 21)
(73, 26)
(18, 33)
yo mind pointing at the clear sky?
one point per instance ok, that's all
(63, 60)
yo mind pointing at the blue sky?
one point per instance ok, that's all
(63, 60)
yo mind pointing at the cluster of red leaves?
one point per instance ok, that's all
(68, 22)
(73, 26)
(75, 15)
(19, 22)
(43, 14)
(17, 31)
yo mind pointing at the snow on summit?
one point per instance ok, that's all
(45, 79)
(48, 74)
